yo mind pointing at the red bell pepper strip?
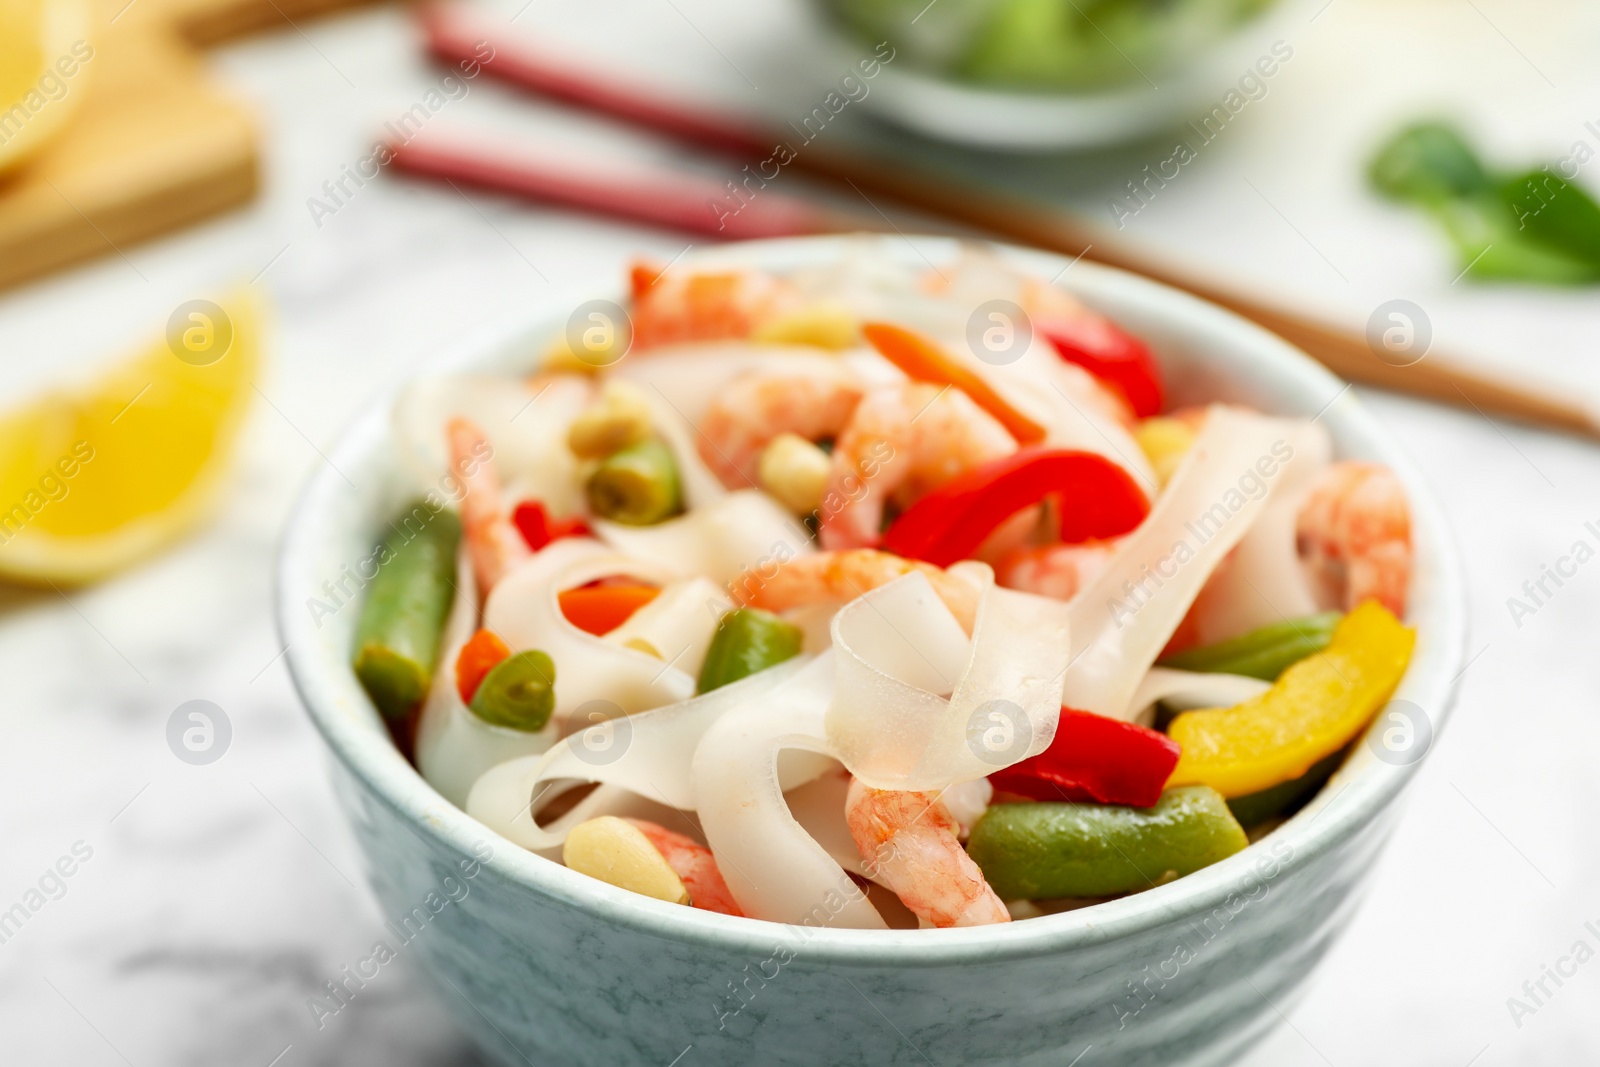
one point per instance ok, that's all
(924, 361)
(1119, 359)
(481, 654)
(1095, 759)
(1097, 499)
(539, 529)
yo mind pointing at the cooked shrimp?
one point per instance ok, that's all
(1354, 536)
(493, 543)
(903, 441)
(1054, 570)
(694, 865)
(682, 306)
(910, 843)
(836, 577)
(750, 411)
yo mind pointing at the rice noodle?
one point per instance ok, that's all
(818, 806)
(648, 754)
(700, 487)
(454, 746)
(1126, 613)
(502, 805)
(897, 649)
(524, 611)
(1185, 690)
(526, 422)
(1262, 581)
(678, 625)
(775, 870)
(742, 533)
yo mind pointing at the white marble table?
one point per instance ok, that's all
(214, 900)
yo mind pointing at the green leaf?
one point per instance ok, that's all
(1492, 247)
(1427, 163)
(1554, 213)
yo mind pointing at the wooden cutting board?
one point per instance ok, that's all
(154, 146)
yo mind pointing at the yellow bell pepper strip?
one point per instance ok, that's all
(1312, 711)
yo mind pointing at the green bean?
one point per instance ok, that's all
(519, 693)
(747, 640)
(397, 636)
(637, 485)
(1045, 850)
(1264, 653)
(1282, 798)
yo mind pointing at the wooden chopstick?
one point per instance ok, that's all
(454, 34)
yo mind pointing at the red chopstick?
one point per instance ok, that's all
(653, 196)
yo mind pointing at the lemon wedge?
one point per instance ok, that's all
(96, 476)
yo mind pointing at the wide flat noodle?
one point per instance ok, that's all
(1185, 690)
(818, 806)
(648, 754)
(502, 805)
(700, 486)
(527, 424)
(523, 609)
(742, 535)
(775, 870)
(454, 746)
(1262, 581)
(678, 625)
(1124, 616)
(898, 649)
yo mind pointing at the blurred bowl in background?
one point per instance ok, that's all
(1044, 74)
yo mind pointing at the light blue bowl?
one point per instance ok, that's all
(541, 965)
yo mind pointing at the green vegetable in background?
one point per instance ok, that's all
(1530, 226)
(1426, 163)
(1555, 213)
(397, 637)
(1047, 850)
(1045, 45)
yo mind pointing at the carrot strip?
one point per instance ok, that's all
(481, 654)
(599, 609)
(923, 361)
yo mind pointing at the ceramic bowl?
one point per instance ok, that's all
(542, 965)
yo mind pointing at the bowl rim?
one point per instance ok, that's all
(357, 739)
